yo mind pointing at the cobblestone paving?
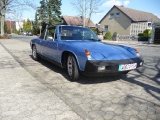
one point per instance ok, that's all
(135, 96)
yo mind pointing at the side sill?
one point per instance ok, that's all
(51, 61)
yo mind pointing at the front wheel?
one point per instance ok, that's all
(34, 54)
(72, 68)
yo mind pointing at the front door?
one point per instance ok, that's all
(50, 44)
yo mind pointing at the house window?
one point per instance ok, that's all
(117, 15)
(106, 27)
(111, 15)
(149, 25)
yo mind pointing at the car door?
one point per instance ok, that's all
(50, 44)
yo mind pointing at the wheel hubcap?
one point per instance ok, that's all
(69, 66)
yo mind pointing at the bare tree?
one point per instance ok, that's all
(19, 20)
(12, 6)
(87, 8)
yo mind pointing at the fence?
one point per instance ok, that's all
(127, 38)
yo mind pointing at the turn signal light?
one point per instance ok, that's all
(136, 51)
(87, 53)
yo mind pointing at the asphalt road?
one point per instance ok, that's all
(23, 37)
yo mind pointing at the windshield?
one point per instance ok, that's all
(77, 33)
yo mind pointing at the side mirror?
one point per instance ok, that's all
(50, 38)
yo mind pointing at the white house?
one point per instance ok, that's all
(19, 25)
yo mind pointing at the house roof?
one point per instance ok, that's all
(135, 15)
(77, 21)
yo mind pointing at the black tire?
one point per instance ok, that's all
(72, 68)
(34, 54)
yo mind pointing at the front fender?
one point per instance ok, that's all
(80, 58)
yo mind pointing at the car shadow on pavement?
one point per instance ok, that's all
(97, 79)
(54, 68)
(150, 83)
(82, 79)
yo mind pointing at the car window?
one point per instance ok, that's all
(51, 34)
(76, 33)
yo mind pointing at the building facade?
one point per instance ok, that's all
(126, 21)
(11, 25)
(19, 25)
(139, 27)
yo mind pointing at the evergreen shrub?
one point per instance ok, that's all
(108, 36)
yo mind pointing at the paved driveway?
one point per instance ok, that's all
(132, 97)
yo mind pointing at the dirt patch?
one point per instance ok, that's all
(5, 36)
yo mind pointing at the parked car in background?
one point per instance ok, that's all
(80, 51)
(23, 33)
(29, 33)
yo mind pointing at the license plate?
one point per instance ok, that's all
(127, 67)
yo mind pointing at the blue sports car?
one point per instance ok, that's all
(80, 51)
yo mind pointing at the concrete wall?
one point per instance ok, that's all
(121, 25)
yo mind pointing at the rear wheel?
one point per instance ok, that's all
(72, 68)
(34, 54)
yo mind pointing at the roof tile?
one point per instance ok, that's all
(77, 21)
(137, 15)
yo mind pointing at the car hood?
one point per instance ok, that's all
(100, 50)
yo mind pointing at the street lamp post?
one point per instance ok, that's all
(97, 26)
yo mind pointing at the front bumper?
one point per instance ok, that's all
(111, 66)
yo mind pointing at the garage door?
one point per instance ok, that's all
(157, 35)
